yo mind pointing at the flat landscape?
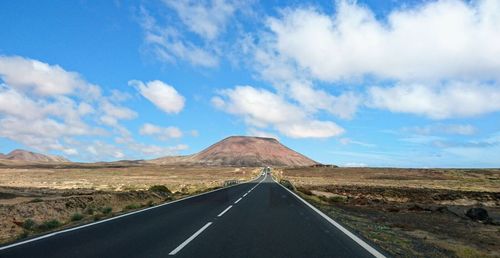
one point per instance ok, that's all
(37, 198)
(409, 212)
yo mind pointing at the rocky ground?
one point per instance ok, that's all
(410, 213)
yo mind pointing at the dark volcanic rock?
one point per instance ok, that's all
(477, 214)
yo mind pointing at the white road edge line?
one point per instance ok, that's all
(224, 211)
(237, 201)
(117, 217)
(177, 249)
(356, 239)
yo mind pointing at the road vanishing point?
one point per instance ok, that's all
(259, 218)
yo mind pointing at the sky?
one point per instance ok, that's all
(352, 83)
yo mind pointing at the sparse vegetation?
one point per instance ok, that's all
(49, 225)
(132, 206)
(97, 217)
(160, 189)
(76, 217)
(287, 184)
(96, 191)
(29, 224)
(89, 211)
(106, 210)
(23, 235)
(408, 212)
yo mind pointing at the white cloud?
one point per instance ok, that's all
(460, 129)
(448, 39)
(113, 113)
(163, 133)
(37, 114)
(205, 18)
(260, 133)
(162, 95)
(310, 129)
(167, 44)
(347, 141)
(343, 106)
(30, 75)
(355, 164)
(261, 108)
(447, 100)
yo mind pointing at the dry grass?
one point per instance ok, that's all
(452, 179)
(120, 178)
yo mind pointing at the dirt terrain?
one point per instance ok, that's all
(36, 198)
(409, 212)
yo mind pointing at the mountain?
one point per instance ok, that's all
(243, 151)
(28, 156)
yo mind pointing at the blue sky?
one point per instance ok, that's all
(366, 83)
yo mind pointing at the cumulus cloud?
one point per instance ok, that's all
(344, 105)
(436, 40)
(163, 133)
(431, 57)
(30, 75)
(447, 100)
(162, 95)
(261, 108)
(47, 108)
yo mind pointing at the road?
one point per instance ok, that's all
(259, 218)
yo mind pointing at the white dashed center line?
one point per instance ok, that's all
(237, 201)
(224, 211)
(176, 250)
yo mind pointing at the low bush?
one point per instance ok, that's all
(49, 224)
(304, 190)
(287, 184)
(160, 189)
(106, 210)
(89, 211)
(97, 217)
(338, 198)
(23, 235)
(76, 217)
(37, 200)
(29, 224)
(132, 206)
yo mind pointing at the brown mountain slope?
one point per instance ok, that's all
(243, 151)
(28, 156)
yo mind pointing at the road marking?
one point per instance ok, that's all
(116, 217)
(245, 195)
(176, 250)
(224, 211)
(356, 239)
(237, 201)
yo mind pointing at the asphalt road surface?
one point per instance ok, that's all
(255, 219)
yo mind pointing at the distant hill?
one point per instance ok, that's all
(243, 151)
(28, 156)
